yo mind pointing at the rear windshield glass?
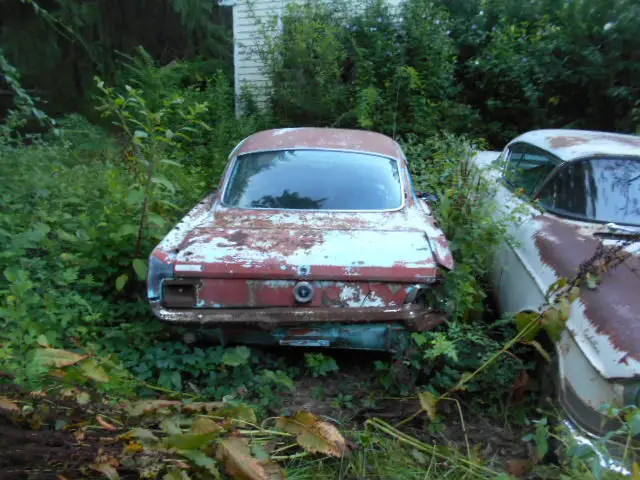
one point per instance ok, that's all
(314, 180)
(601, 190)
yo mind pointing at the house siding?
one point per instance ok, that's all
(249, 70)
(248, 16)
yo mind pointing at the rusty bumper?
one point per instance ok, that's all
(413, 317)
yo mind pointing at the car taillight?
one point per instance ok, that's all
(158, 271)
(180, 293)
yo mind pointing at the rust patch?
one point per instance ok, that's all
(321, 138)
(567, 141)
(239, 237)
(613, 308)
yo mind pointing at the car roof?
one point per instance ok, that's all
(321, 139)
(570, 145)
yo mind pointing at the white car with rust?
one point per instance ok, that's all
(572, 189)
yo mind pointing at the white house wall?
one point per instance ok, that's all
(248, 15)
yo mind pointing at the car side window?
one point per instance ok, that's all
(527, 167)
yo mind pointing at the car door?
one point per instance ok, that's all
(525, 169)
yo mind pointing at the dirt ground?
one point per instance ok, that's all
(46, 444)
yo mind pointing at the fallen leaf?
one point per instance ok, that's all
(202, 460)
(205, 425)
(142, 434)
(53, 357)
(145, 406)
(314, 435)
(208, 407)
(243, 413)
(82, 398)
(519, 467)
(94, 371)
(107, 470)
(9, 405)
(104, 424)
(189, 441)
(234, 454)
(429, 403)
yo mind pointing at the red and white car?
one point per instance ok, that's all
(314, 237)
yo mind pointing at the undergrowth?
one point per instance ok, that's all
(83, 206)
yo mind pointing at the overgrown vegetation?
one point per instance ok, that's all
(492, 69)
(83, 204)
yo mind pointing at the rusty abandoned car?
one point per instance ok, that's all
(314, 238)
(586, 188)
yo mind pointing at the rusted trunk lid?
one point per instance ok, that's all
(307, 253)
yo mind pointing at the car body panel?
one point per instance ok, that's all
(570, 145)
(598, 355)
(241, 265)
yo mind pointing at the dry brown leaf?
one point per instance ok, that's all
(314, 435)
(53, 357)
(104, 424)
(195, 407)
(519, 467)
(205, 425)
(146, 406)
(234, 454)
(9, 405)
(429, 403)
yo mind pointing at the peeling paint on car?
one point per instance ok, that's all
(598, 355)
(605, 320)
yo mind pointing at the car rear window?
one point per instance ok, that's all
(597, 189)
(314, 180)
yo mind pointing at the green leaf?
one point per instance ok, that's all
(42, 341)
(176, 380)
(200, 459)
(140, 267)
(236, 356)
(523, 319)
(160, 180)
(592, 281)
(553, 323)
(94, 371)
(127, 230)
(634, 424)
(140, 134)
(542, 442)
(189, 441)
(135, 196)
(171, 162)
(419, 338)
(121, 281)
